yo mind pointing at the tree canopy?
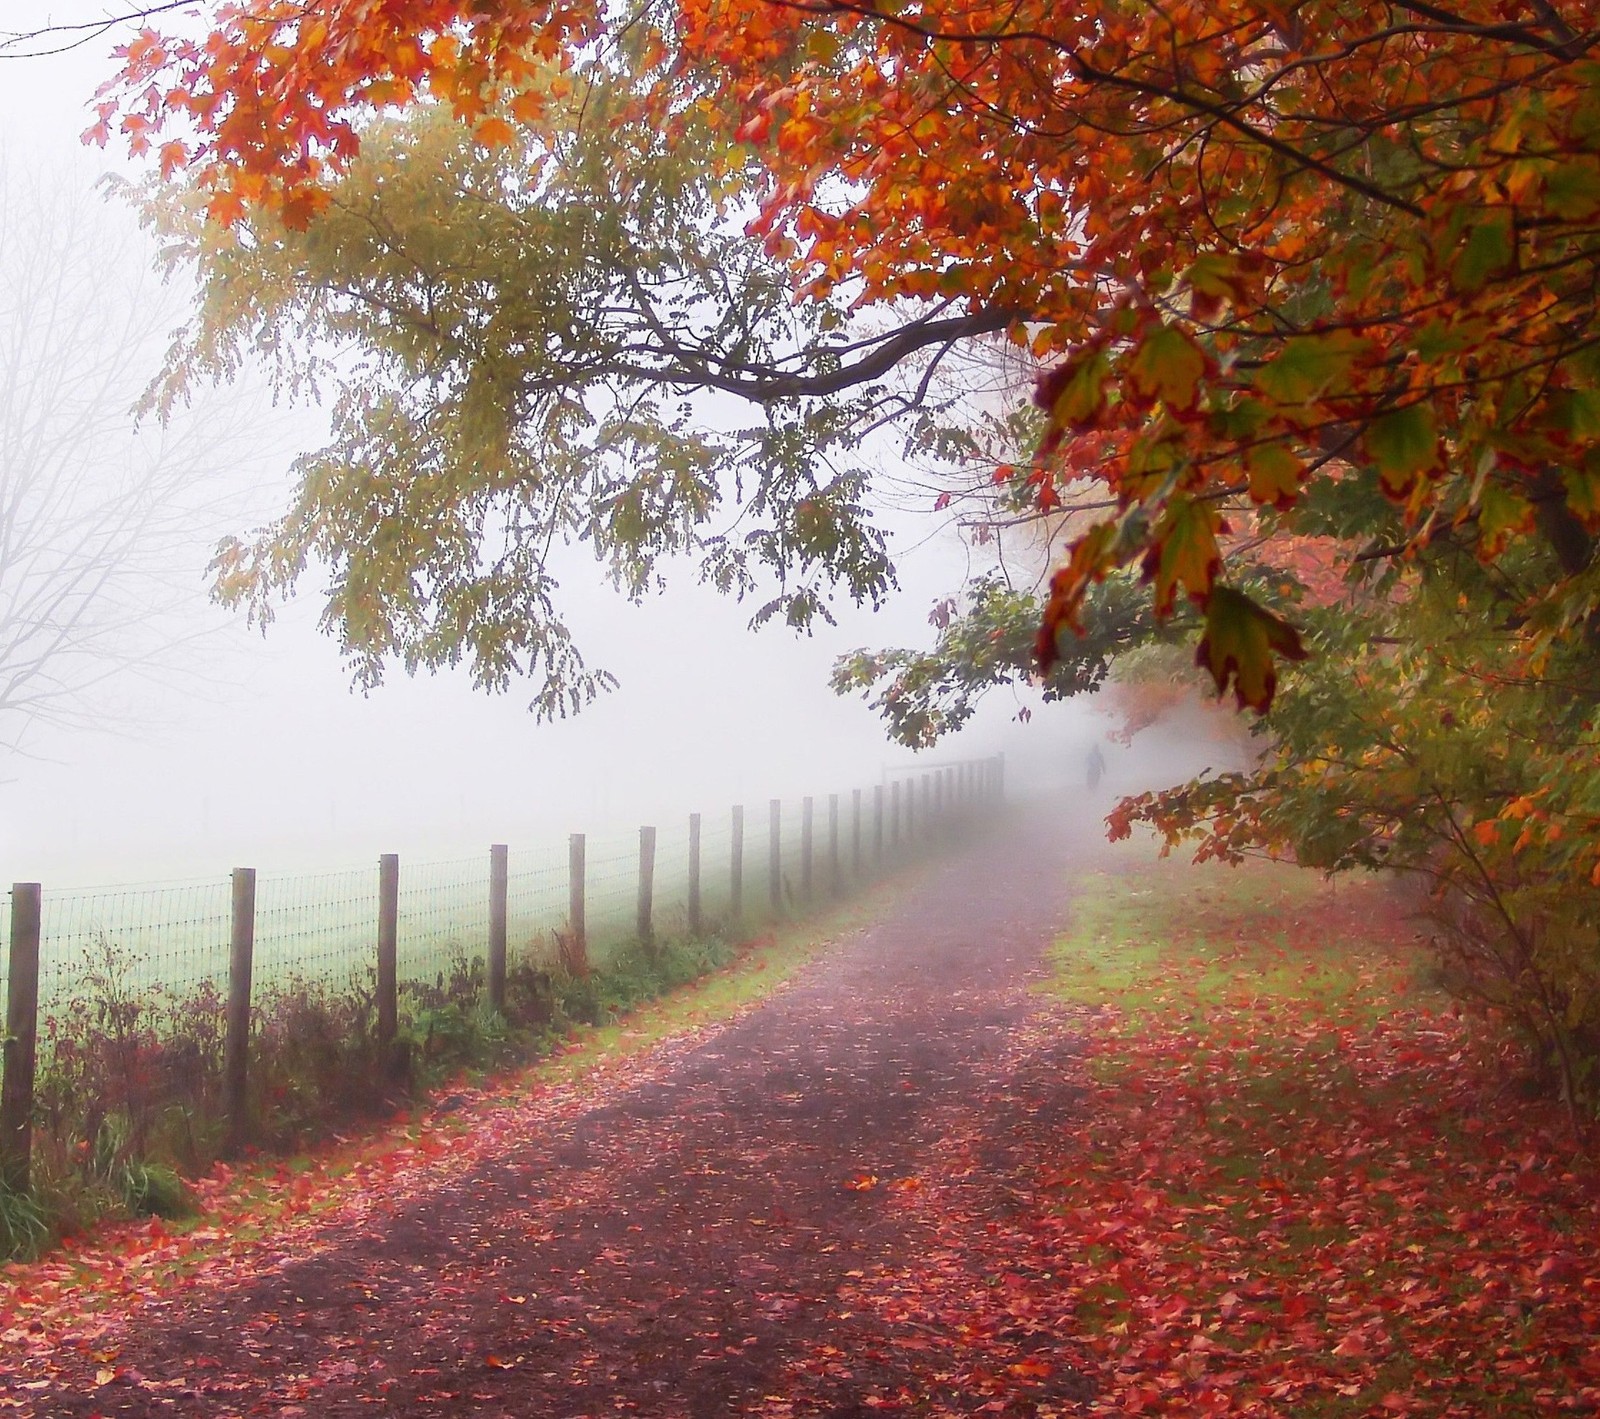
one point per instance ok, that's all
(521, 341)
(1258, 244)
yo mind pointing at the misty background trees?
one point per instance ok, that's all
(103, 515)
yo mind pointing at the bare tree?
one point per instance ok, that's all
(105, 521)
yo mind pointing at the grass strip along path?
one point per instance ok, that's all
(1213, 1151)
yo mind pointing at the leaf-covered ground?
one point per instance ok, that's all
(1298, 1182)
(1214, 1151)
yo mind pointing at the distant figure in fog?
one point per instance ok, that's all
(1095, 769)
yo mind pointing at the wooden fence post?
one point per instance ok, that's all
(388, 947)
(647, 883)
(579, 943)
(855, 833)
(775, 854)
(877, 825)
(835, 880)
(21, 1042)
(499, 885)
(236, 1045)
(694, 875)
(894, 815)
(736, 865)
(806, 816)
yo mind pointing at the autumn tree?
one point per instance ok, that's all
(1313, 275)
(555, 337)
(1263, 244)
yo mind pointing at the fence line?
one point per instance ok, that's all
(407, 924)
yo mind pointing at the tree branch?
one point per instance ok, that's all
(696, 367)
(59, 39)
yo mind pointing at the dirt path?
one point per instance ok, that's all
(685, 1245)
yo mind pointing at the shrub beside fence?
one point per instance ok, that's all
(396, 930)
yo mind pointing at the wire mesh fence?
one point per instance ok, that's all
(318, 927)
(324, 924)
(173, 934)
(443, 915)
(538, 899)
(612, 887)
(180, 941)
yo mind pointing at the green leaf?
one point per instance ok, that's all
(1572, 189)
(1501, 512)
(1309, 364)
(1183, 553)
(1239, 644)
(1168, 366)
(1403, 444)
(1213, 280)
(1439, 339)
(1073, 394)
(1577, 412)
(1274, 474)
(1489, 250)
(1583, 491)
(1240, 421)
